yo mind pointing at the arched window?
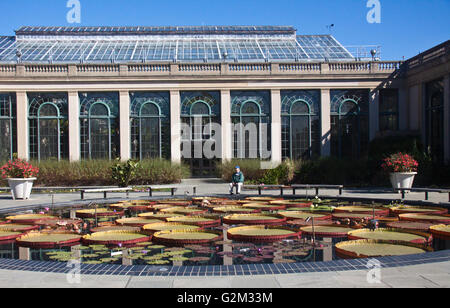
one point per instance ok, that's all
(48, 126)
(349, 123)
(149, 131)
(300, 124)
(199, 111)
(99, 126)
(7, 124)
(150, 125)
(200, 118)
(251, 117)
(250, 136)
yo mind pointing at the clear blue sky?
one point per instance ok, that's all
(407, 26)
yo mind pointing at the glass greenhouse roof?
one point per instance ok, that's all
(167, 44)
(239, 30)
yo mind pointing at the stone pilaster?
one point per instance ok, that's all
(175, 121)
(22, 125)
(125, 146)
(325, 116)
(227, 137)
(74, 126)
(276, 127)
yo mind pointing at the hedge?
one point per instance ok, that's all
(98, 173)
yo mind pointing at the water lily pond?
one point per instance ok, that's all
(219, 231)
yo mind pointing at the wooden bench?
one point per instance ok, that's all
(105, 191)
(172, 188)
(427, 192)
(294, 188)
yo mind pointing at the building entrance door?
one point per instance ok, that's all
(200, 132)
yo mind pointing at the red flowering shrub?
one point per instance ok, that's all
(19, 169)
(400, 163)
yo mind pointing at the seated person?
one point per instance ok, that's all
(237, 181)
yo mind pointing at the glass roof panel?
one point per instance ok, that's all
(128, 47)
(323, 47)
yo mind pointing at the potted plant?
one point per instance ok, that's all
(402, 168)
(21, 176)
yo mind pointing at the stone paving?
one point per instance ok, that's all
(435, 275)
(429, 275)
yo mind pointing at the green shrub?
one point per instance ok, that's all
(157, 171)
(99, 173)
(124, 173)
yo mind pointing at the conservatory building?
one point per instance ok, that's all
(203, 94)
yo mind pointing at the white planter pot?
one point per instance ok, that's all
(403, 179)
(21, 188)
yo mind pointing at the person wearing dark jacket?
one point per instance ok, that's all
(237, 181)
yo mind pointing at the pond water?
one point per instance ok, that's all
(314, 244)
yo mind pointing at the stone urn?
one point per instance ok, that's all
(404, 180)
(21, 188)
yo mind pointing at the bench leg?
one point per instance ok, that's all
(293, 191)
(105, 195)
(403, 194)
(195, 191)
(150, 192)
(340, 191)
(260, 191)
(282, 191)
(426, 196)
(82, 195)
(173, 192)
(317, 192)
(128, 195)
